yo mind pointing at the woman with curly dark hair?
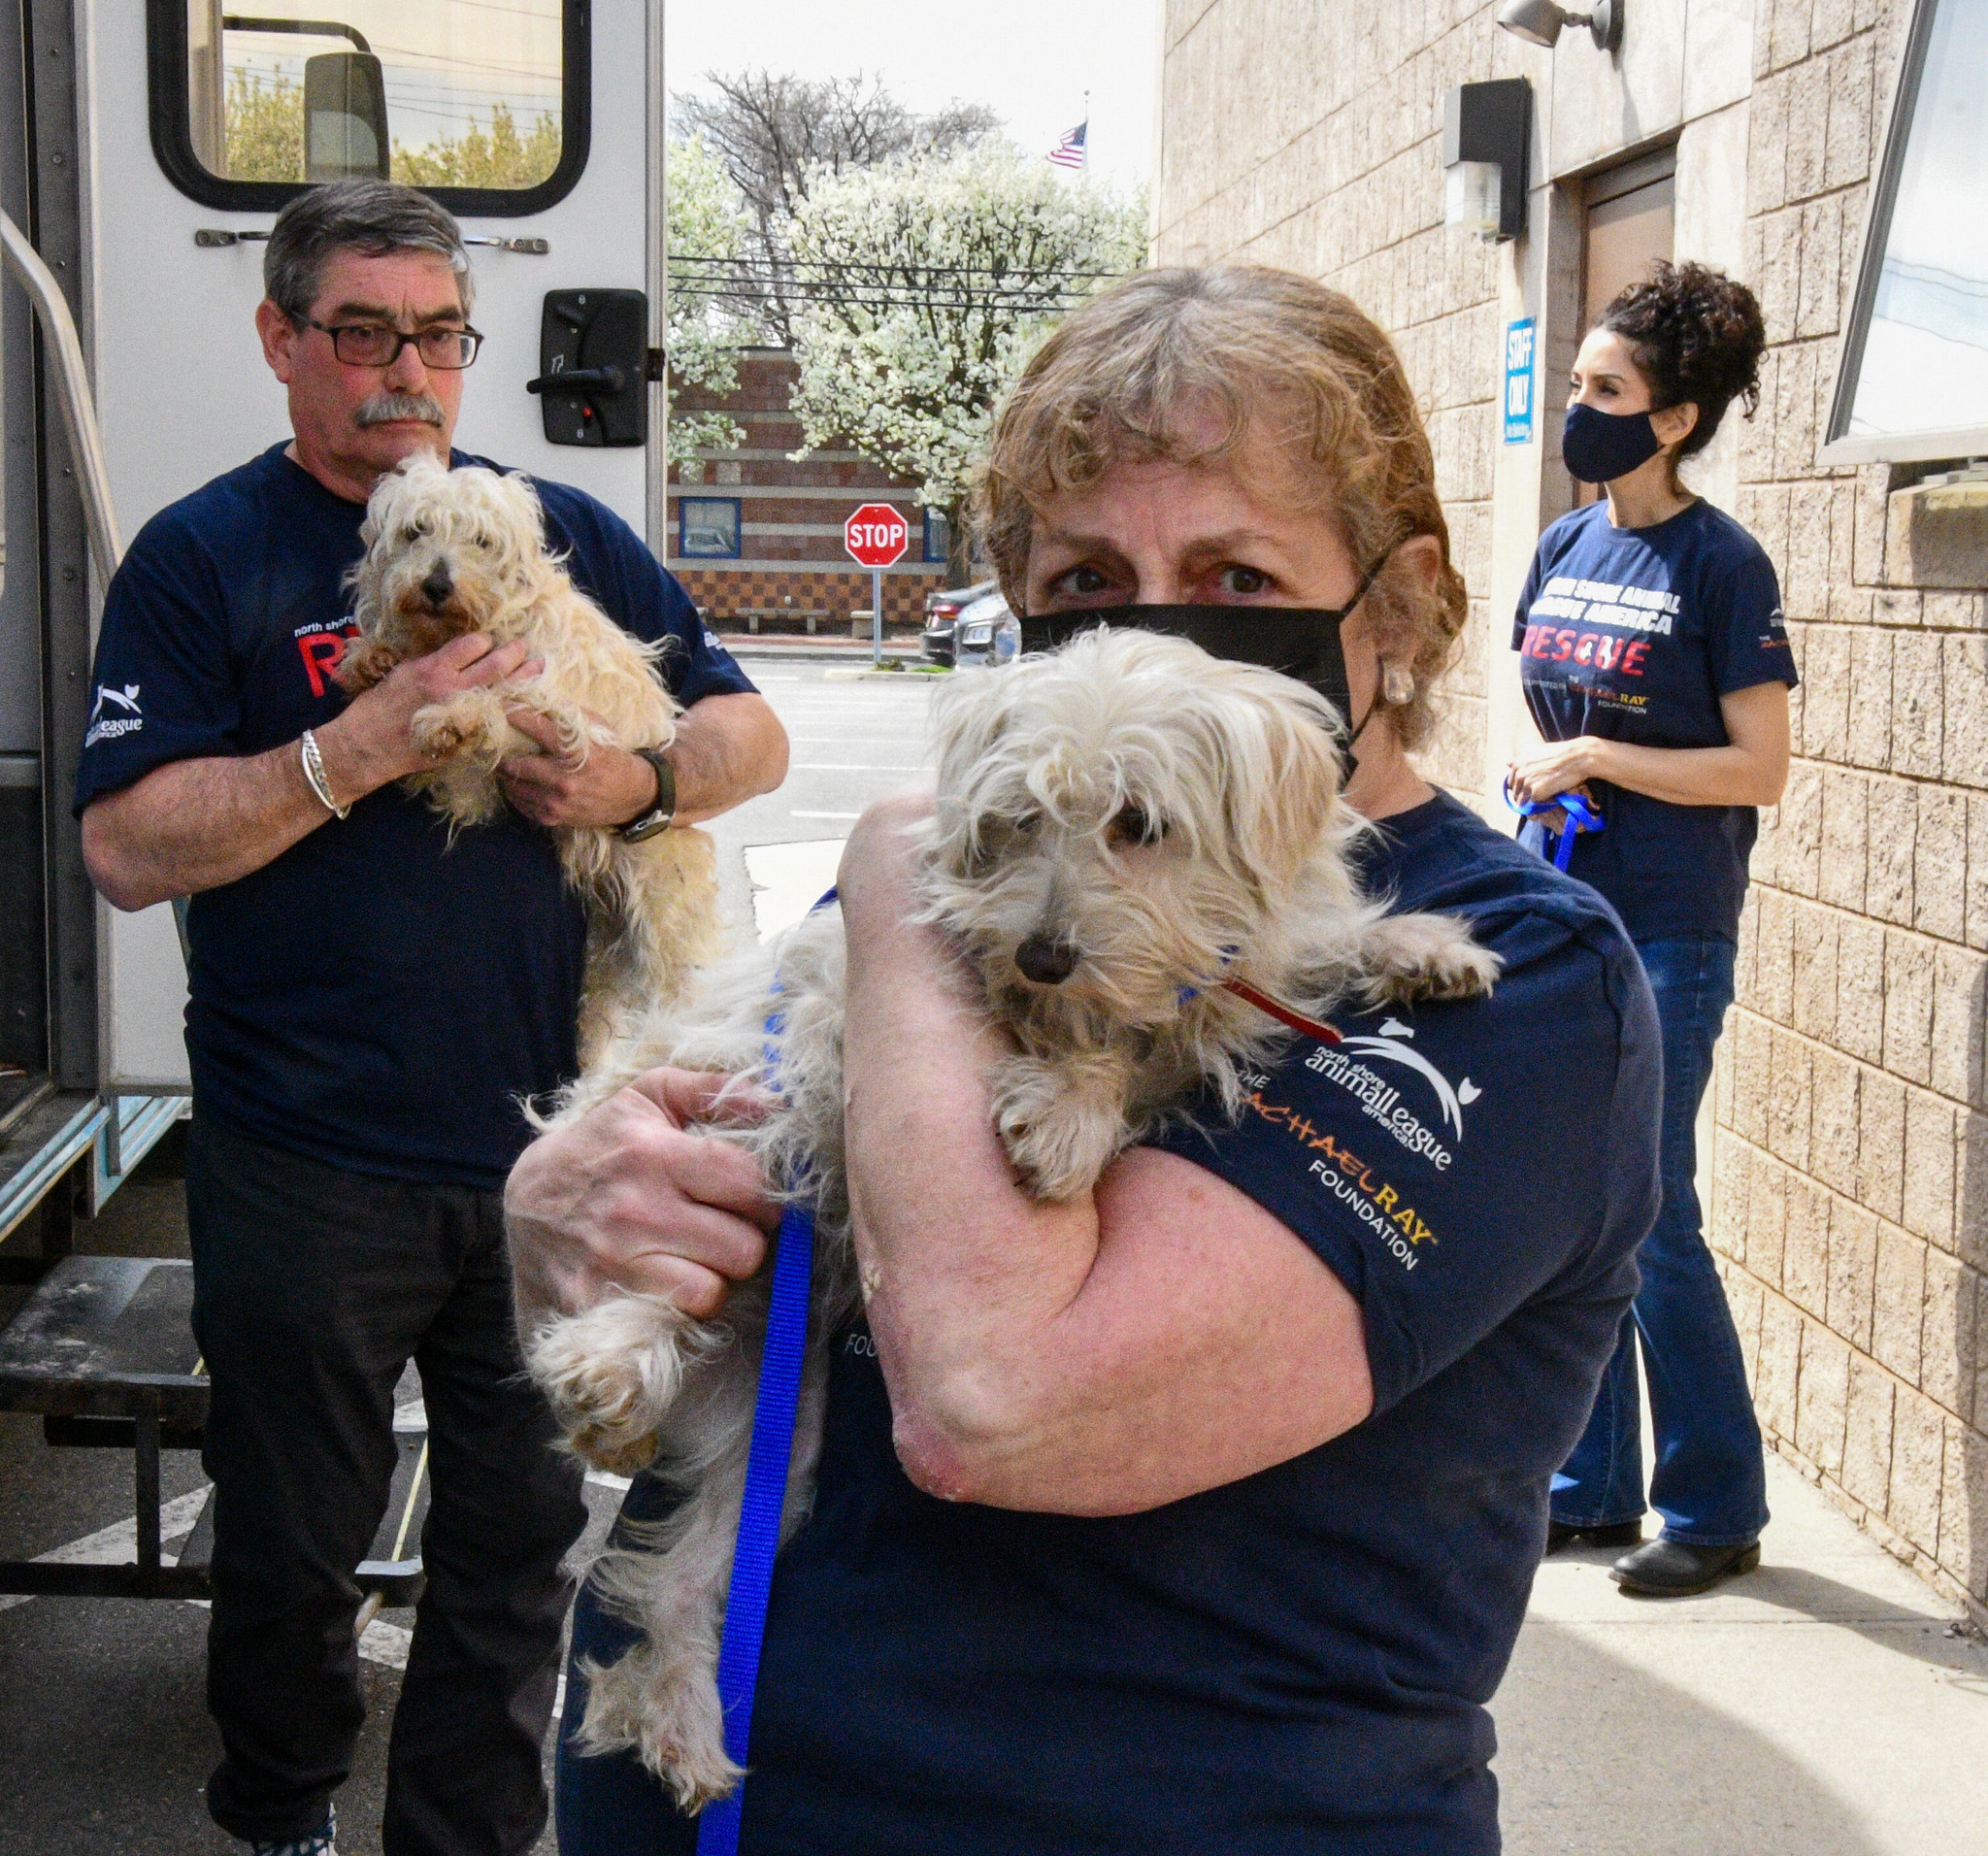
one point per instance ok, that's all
(1655, 662)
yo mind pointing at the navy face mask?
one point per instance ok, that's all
(1600, 447)
(1299, 642)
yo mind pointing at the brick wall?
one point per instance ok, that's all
(1310, 137)
(791, 515)
(1851, 1158)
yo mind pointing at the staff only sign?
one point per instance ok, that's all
(876, 536)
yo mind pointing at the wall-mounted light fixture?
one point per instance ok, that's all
(1486, 144)
(1539, 22)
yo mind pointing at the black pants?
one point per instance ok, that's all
(313, 1288)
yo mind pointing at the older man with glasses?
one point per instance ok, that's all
(371, 1003)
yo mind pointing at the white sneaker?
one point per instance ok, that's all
(320, 1842)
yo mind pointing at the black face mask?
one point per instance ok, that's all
(1302, 641)
(1599, 446)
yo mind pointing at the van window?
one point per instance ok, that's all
(482, 102)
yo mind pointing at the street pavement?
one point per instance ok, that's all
(1820, 1706)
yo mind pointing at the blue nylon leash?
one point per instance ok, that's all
(767, 1464)
(1580, 815)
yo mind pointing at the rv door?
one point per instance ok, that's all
(531, 121)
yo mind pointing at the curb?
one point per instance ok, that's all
(759, 651)
(868, 674)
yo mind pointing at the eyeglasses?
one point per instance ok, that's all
(367, 345)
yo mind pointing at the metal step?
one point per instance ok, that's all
(104, 1349)
(392, 1565)
(40, 1146)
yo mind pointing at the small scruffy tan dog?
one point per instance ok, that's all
(450, 551)
(1121, 828)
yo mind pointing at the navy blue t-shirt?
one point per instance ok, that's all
(377, 996)
(1297, 1662)
(1634, 634)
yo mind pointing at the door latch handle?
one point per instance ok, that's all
(579, 381)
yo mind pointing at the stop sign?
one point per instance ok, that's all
(876, 535)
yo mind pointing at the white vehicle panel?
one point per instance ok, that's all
(183, 394)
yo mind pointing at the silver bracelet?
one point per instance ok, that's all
(314, 771)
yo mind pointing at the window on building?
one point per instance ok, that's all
(709, 528)
(1912, 381)
(485, 106)
(938, 537)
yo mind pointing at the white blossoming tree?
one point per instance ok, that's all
(706, 219)
(930, 278)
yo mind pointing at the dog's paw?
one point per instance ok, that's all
(449, 731)
(611, 1375)
(663, 1704)
(365, 661)
(683, 1743)
(696, 1767)
(1410, 958)
(1057, 1140)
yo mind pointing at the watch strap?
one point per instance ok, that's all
(657, 817)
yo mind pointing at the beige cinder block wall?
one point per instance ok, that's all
(1851, 1193)
(1848, 1178)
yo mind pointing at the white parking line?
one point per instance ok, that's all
(117, 1543)
(118, 1546)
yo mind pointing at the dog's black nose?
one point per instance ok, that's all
(1047, 962)
(437, 587)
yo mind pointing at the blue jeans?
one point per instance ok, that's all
(1709, 1480)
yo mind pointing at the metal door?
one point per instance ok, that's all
(1628, 223)
(183, 101)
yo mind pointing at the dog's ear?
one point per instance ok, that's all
(970, 713)
(1281, 773)
(520, 500)
(379, 504)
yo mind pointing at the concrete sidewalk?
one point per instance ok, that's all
(1820, 1706)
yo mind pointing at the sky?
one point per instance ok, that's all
(1030, 60)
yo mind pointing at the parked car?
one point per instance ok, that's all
(985, 632)
(942, 609)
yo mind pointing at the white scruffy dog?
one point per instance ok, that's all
(450, 551)
(1121, 828)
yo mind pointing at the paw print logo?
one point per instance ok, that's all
(1392, 1045)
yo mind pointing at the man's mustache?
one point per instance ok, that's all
(387, 409)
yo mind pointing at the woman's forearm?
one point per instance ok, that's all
(1732, 775)
(964, 1274)
(1751, 770)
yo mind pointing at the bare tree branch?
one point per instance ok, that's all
(772, 132)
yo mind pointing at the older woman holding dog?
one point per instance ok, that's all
(1200, 1512)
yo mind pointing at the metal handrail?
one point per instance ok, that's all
(78, 416)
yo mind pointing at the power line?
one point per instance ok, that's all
(853, 265)
(838, 300)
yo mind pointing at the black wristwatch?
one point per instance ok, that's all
(657, 817)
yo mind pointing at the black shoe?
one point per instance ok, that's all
(1675, 1569)
(1561, 1533)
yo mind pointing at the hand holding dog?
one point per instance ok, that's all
(371, 743)
(608, 788)
(629, 1196)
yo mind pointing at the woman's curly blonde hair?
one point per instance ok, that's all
(1275, 356)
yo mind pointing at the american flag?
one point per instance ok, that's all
(1068, 152)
